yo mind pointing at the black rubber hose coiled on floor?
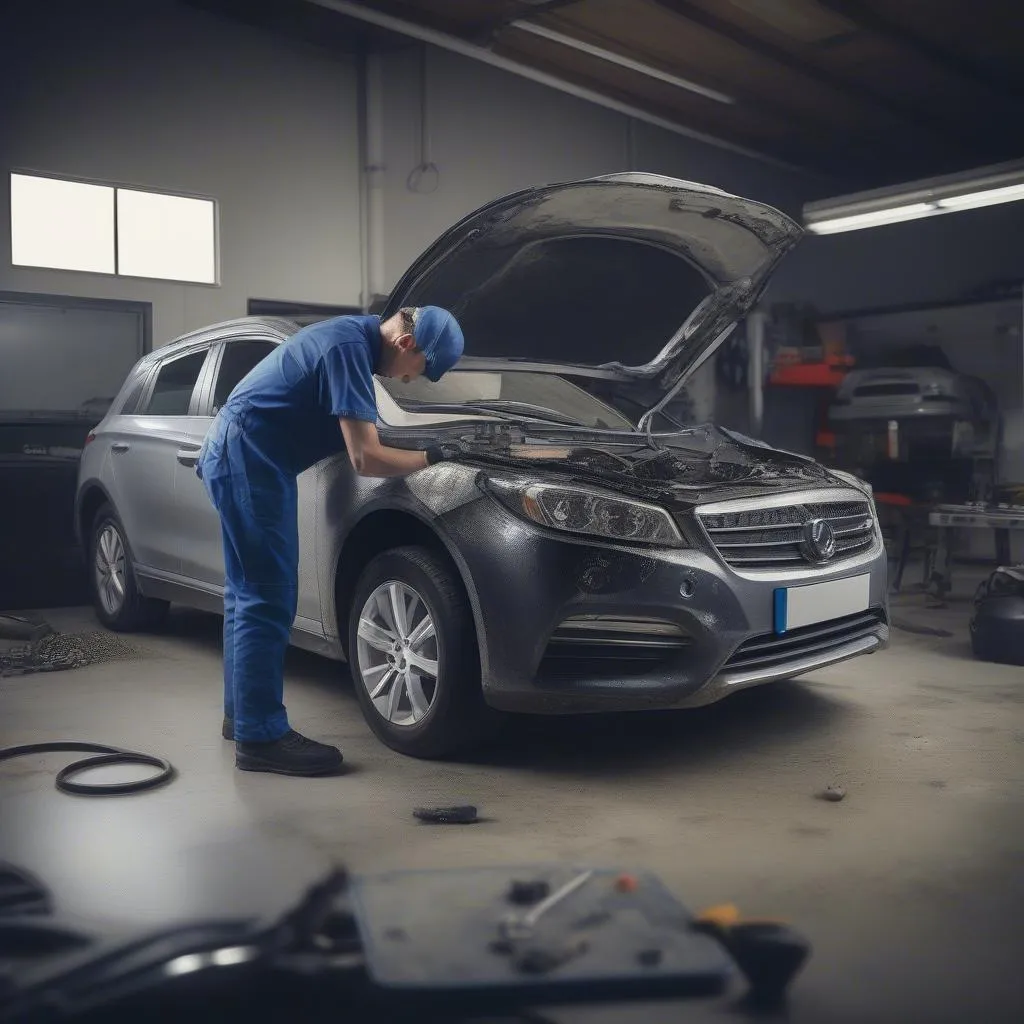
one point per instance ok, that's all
(105, 756)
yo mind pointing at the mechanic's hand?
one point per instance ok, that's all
(441, 453)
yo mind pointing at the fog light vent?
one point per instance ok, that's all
(631, 635)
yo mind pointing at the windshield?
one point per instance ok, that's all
(492, 390)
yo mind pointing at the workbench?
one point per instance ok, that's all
(1002, 520)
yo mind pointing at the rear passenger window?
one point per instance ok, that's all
(130, 405)
(238, 359)
(175, 382)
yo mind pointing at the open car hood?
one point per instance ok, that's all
(625, 277)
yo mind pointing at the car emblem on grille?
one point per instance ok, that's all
(819, 541)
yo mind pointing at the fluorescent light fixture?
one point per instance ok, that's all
(987, 186)
(872, 220)
(987, 197)
(622, 61)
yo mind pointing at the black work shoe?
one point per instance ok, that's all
(227, 730)
(292, 754)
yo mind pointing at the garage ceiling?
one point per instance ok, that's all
(868, 91)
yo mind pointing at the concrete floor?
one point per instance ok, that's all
(911, 889)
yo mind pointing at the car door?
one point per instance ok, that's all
(199, 534)
(143, 460)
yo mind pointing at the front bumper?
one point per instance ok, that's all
(525, 582)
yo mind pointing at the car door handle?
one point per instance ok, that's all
(188, 455)
(120, 446)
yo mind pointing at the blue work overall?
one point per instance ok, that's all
(280, 419)
(258, 507)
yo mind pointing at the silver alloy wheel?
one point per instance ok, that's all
(109, 568)
(397, 653)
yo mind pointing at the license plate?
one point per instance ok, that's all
(819, 602)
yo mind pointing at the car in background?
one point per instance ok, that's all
(571, 558)
(914, 383)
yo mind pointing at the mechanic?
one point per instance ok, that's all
(282, 418)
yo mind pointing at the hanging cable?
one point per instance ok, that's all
(425, 177)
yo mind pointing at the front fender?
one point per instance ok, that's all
(347, 501)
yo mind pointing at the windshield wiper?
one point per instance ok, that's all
(532, 411)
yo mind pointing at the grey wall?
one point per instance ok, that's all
(919, 262)
(167, 97)
(492, 132)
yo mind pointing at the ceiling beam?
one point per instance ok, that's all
(456, 44)
(779, 55)
(866, 17)
(487, 32)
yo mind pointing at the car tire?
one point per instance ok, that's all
(119, 604)
(456, 716)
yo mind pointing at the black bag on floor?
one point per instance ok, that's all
(997, 623)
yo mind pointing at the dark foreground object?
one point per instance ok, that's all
(429, 946)
(997, 622)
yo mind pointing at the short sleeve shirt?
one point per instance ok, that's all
(292, 400)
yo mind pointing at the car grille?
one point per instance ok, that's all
(773, 538)
(885, 390)
(772, 649)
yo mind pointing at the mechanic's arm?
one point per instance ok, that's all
(371, 458)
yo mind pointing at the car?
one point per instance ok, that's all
(915, 382)
(571, 558)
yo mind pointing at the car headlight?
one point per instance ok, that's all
(860, 485)
(854, 481)
(578, 510)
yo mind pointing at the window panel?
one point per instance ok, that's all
(167, 237)
(130, 404)
(238, 359)
(62, 225)
(175, 382)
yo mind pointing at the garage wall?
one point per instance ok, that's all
(167, 97)
(921, 262)
(492, 132)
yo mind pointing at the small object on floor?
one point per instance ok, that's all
(464, 814)
(833, 794)
(292, 754)
(626, 883)
(526, 893)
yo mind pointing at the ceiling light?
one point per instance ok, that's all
(987, 197)
(872, 220)
(622, 61)
(971, 190)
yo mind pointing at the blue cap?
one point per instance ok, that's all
(439, 337)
